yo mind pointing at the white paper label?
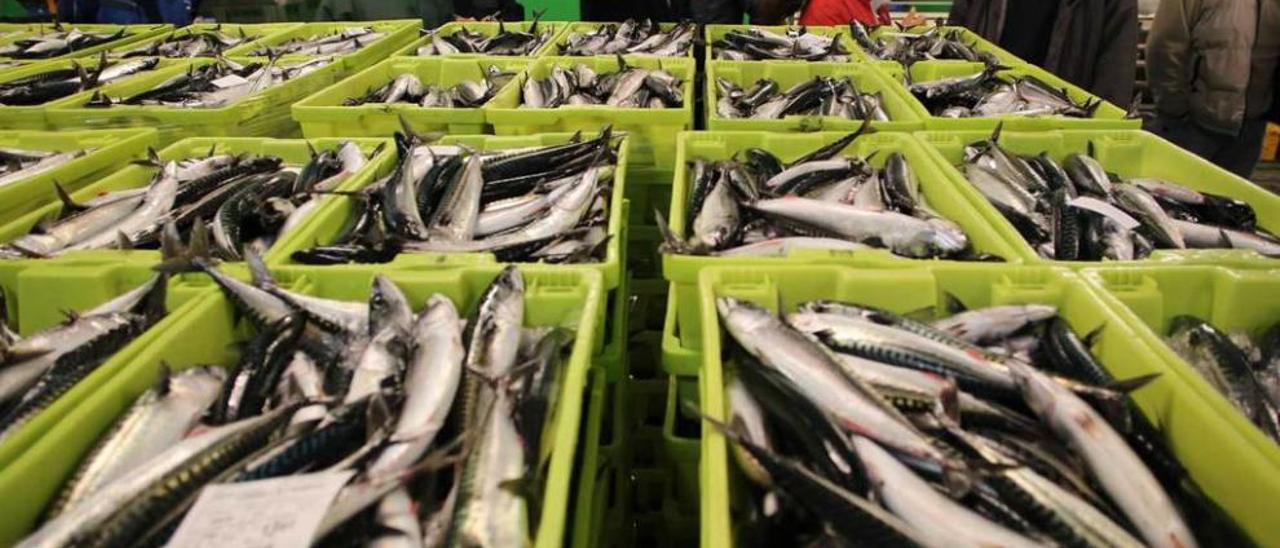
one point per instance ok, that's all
(229, 81)
(1103, 208)
(271, 513)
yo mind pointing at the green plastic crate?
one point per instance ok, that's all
(37, 297)
(652, 131)
(253, 32)
(329, 221)
(562, 38)
(600, 490)
(553, 298)
(1127, 154)
(132, 33)
(935, 186)
(902, 115)
(262, 114)
(1148, 298)
(294, 152)
(1107, 115)
(33, 117)
(714, 33)
(324, 115)
(109, 148)
(1228, 468)
(399, 32)
(966, 36)
(487, 28)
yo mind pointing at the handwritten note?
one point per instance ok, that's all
(273, 513)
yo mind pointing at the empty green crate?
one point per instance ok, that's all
(398, 33)
(1106, 116)
(125, 176)
(107, 150)
(208, 333)
(1228, 468)
(937, 189)
(131, 34)
(487, 28)
(653, 131)
(714, 33)
(251, 33)
(325, 115)
(262, 114)
(562, 39)
(903, 116)
(1127, 154)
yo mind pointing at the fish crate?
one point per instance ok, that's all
(329, 221)
(652, 131)
(34, 117)
(325, 115)
(1106, 116)
(251, 32)
(562, 39)
(902, 115)
(37, 299)
(487, 28)
(1148, 298)
(554, 298)
(1127, 154)
(966, 36)
(603, 470)
(126, 176)
(107, 149)
(262, 114)
(936, 187)
(132, 33)
(1213, 452)
(398, 33)
(714, 33)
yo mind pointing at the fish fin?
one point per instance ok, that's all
(671, 242)
(995, 134)
(194, 257)
(123, 242)
(68, 204)
(261, 277)
(1091, 150)
(523, 487)
(163, 377)
(1092, 336)
(953, 304)
(70, 316)
(171, 246)
(622, 63)
(1131, 384)
(1224, 239)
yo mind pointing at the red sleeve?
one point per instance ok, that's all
(838, 12)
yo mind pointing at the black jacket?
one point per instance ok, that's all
(1094, 43)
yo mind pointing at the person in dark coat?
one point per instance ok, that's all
(1090, 43)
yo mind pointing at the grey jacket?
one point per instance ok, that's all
(1214, 61)
(1094, 43)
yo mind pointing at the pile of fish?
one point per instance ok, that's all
(631, 36)
(1244, 372)
(986, 94)
(629, 87)
(407, 88)
(17, 164)
(188, 43)
(347, 40)
(243, 202)
(56, 83)
(798, 44)
(57, 43)
(1077, 211)
(38, 369)
(437, 417)
(821, 96)
(544, 204)
(758, 206)
(214, 85)
(993, 427)
(505, 42)
(934, 44)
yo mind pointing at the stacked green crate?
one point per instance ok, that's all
(105, 151)
(251, 34)
(395, 35)
(1234, 474)
(122, 174)
(1128, 154)
(652, 131)
(326, 114)
(128, 35)
(34, 117)
(261, 114)
(208, 332)
(488, 28)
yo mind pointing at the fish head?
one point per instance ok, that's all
(440, 310)
(388, 306)
(742, 318)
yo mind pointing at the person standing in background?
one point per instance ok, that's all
(843, 12)
(1090, 43)
(1212, 68)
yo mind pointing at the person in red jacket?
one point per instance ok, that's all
(843, 12)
